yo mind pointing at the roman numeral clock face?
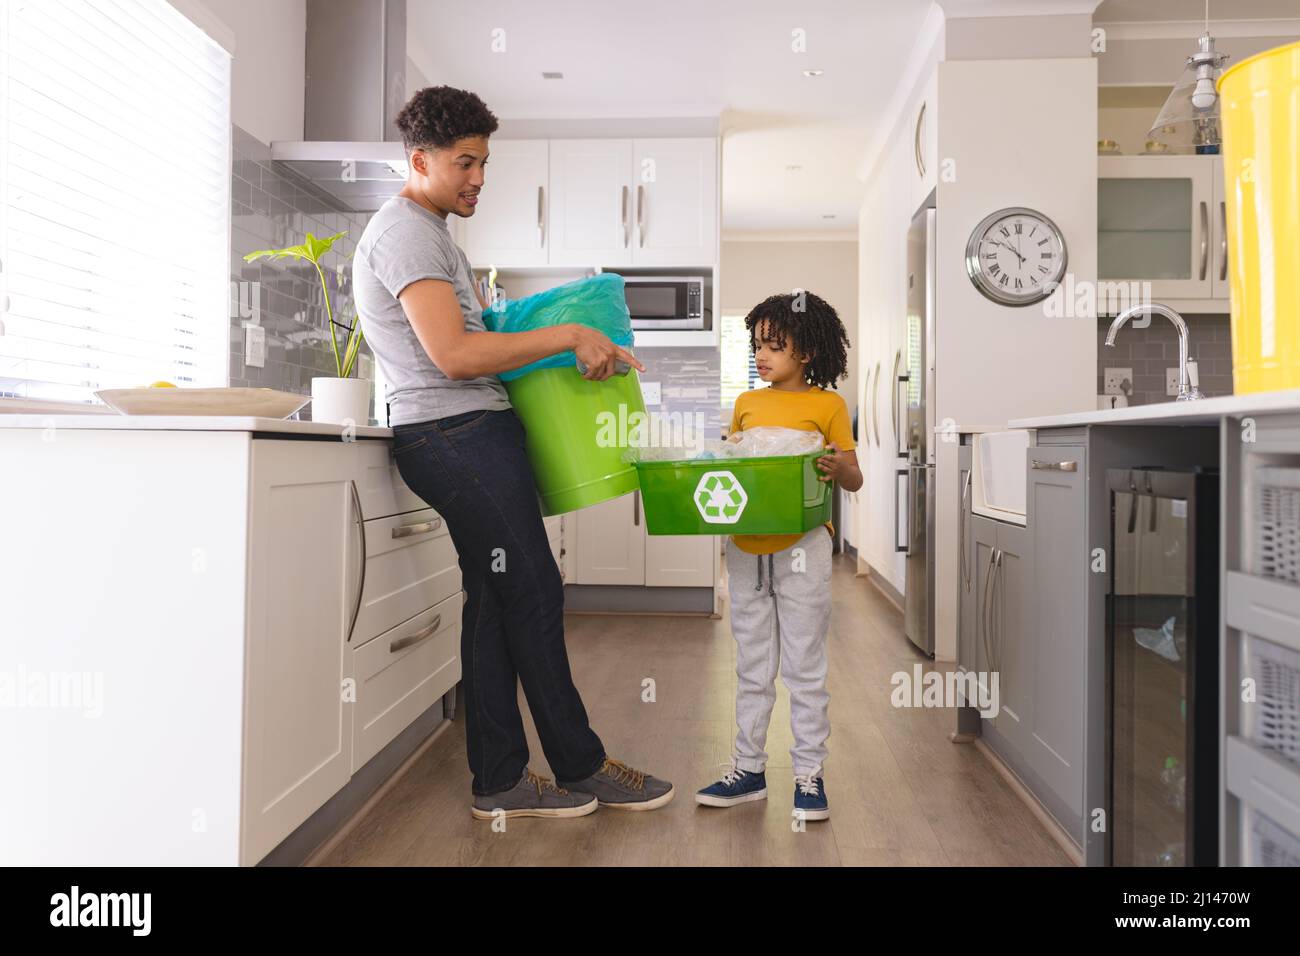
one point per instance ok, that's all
(1016, 256)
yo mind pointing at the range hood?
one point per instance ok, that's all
(355, 87)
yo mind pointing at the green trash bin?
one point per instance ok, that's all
(781, 494)
(576, 433)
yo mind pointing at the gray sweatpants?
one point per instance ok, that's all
(780, 616)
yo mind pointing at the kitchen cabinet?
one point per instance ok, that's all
(611, 546)
(1162, 220)
(1000, 633)
(675, 202)
(1057, 591)
(305, 563)
(592, 202)
(605, 203)
(509, 225)
(276, 608)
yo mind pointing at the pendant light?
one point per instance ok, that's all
(1189, 120)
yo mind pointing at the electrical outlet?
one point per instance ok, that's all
(1171, 381)
(1113, 378)
(650, 392)
(254, 346)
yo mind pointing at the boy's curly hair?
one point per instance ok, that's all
(814, 328)
(437, 116)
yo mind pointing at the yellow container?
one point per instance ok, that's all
(1261, 171)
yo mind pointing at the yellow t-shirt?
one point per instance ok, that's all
(815, 410)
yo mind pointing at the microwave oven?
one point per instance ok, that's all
(665, 302)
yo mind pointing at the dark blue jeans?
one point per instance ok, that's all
(472, 469)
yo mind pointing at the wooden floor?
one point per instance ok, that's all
(901, 794)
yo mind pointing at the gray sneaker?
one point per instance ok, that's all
(534, 796)
(618, 785)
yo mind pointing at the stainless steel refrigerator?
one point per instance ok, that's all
(914, 397)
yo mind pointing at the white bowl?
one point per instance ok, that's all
(234, 402)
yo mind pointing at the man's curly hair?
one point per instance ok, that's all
(437, 116)
(815, 329)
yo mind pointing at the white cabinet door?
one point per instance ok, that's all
(675, 202)
(509, 225)
(611, 542)
(1156, 222)
(591, 202)
(681, 560)
(304, 572)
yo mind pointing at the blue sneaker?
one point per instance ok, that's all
(736, 786)
(810, 796)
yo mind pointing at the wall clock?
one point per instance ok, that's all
(1016, 256)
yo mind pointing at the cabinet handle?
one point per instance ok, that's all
(361, 584)
(640, 216)
(1223, 241)
(541, 220)
(961, 530)
(995, 639)
(623, 218)
(875, 394)
(907, 545)
(1054, 465)
(984, 621)
(898, 381)
(403, 643)
(916, 141)
(1205, 238)
(423, 527)
(636, 508)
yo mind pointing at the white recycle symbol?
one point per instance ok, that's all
(720, 497)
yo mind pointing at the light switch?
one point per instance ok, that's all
(254, 346)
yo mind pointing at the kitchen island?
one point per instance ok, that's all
(221, 635)
(1034, 598)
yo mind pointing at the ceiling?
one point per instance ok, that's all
(732, 60)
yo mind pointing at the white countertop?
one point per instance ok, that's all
(188, 423)
(1201, 412)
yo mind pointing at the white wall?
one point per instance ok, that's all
(269, 62)
(751, 271)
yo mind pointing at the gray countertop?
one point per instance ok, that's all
(199, 423)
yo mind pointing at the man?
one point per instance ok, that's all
(459, 445)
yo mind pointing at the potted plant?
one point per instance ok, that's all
(339, 399)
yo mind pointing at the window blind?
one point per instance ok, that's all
(114, 198)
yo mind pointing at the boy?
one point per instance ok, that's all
(800, 348)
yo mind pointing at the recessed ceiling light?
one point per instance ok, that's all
(793, 169)
(828, 216)
(552, 75)
(813, 72)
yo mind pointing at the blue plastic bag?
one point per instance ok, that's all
(596, 301)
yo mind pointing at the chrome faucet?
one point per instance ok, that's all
(1188, 389)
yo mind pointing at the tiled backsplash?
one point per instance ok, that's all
(690, 382)
(272, 210)
(1149, 351)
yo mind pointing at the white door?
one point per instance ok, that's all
(304, 574)
(681, 560)
(591, 202)
(675, 202)
(1156, 220)
(509, 225)
(610, 545)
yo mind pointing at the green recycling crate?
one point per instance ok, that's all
(780, 494)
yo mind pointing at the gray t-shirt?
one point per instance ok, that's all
(403, 243)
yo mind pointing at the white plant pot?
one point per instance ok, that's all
(341, 401)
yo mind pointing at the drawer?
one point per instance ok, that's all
(401, 674)
(1263, 781)
(411, 565)
(1264, 607)
(383, 492)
